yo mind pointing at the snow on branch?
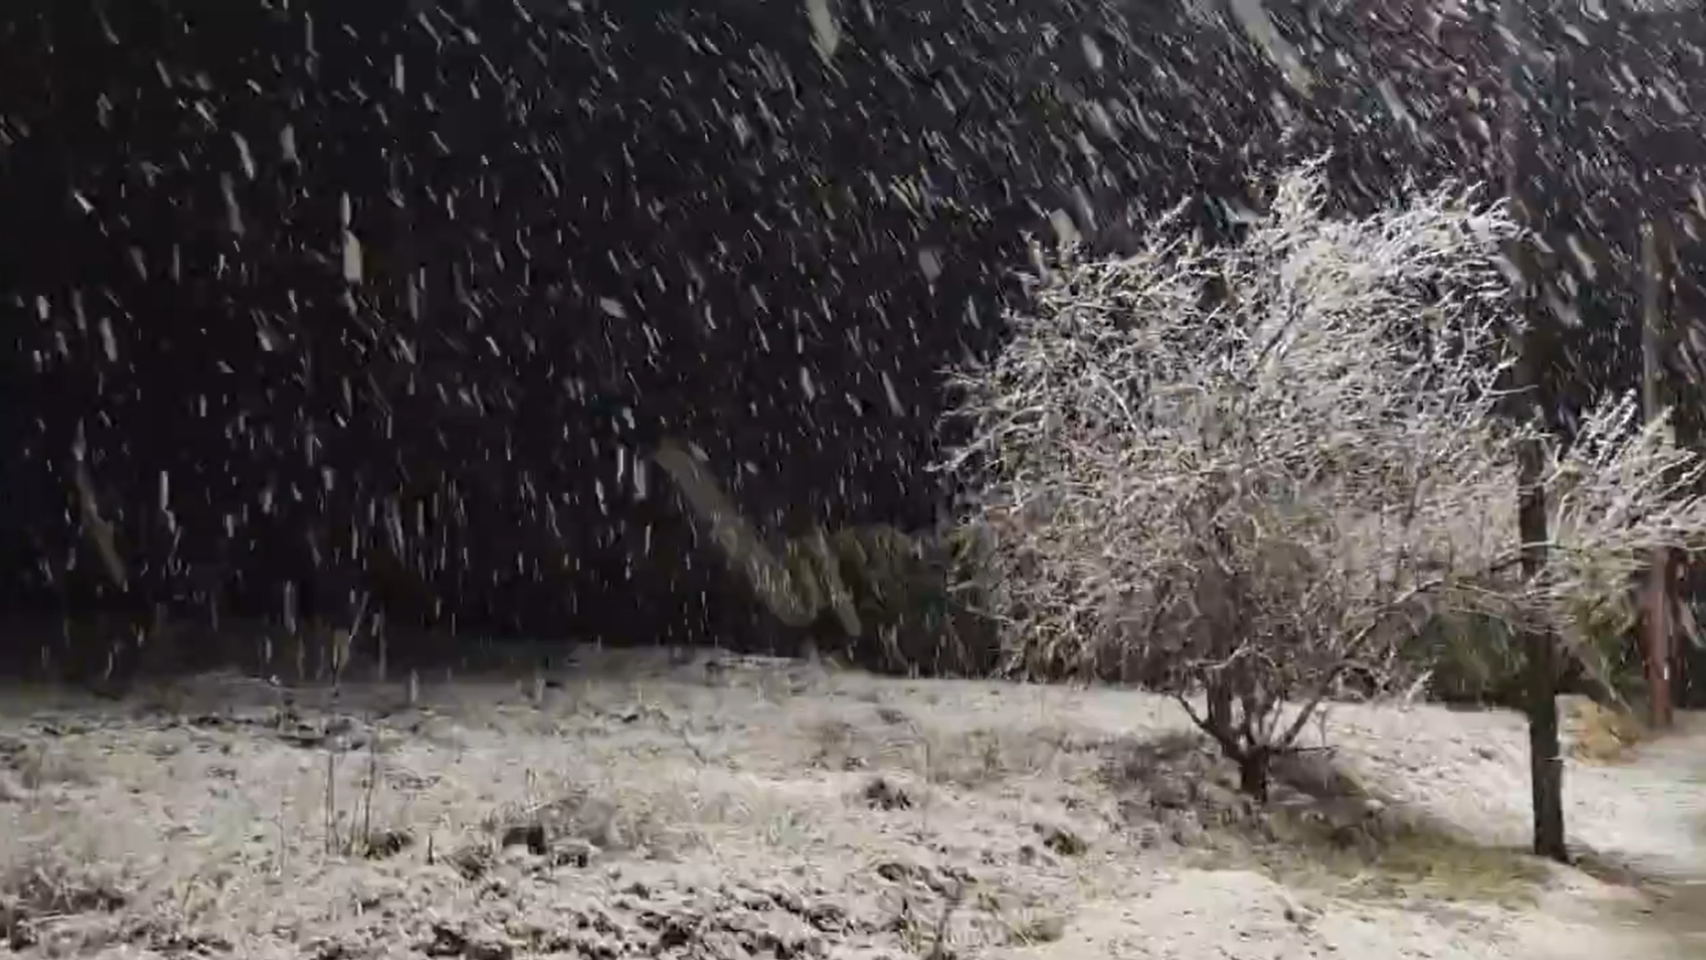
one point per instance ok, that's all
(1251, 469)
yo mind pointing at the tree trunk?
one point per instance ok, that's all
(1656, 629)
(1253, 773)
(1546, 768)
(1219, 697)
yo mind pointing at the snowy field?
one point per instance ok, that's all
(642, 806)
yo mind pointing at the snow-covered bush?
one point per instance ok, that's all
(1243, 474)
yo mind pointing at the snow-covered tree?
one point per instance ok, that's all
(1244, 473)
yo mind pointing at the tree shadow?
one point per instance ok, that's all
(1322, 826)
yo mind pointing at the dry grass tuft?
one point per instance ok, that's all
(607, 817)
(963, 758)
(1029, 927)
(1602, 734)
(55, 875)
(45, 764)
(1399, 858)
(988, 755)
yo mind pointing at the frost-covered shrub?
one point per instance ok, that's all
(1246, 474)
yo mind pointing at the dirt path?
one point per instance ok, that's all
(1659, 831)
(1661, 824)
(1639, 823)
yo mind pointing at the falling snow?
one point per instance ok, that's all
(326, 295)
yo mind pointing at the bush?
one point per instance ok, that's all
(875, 592)
(1466, 657)
(1247, 474)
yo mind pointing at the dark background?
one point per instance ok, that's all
(587, 226)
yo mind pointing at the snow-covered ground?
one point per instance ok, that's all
(737, 808)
